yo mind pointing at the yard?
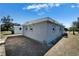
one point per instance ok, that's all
(23, 46)
(66, 46)
(18, 46)
(2, 46)
(4, 33)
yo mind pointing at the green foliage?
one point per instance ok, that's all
(6, 23)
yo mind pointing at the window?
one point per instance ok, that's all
(53, 29)
(20, 28)
(30, 27)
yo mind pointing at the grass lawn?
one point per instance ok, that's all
(6, 32)
(66, 46)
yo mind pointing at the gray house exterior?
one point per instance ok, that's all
(43, 30)
(18, 29)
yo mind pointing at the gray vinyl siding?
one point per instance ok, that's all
(17, 30)
(53, 34)
(43, 32)
(38, 33)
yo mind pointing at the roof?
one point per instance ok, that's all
(42, 20)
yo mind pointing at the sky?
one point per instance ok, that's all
(64, 13)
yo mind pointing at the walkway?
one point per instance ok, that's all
(66, 47)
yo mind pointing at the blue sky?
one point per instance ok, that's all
(64, 13)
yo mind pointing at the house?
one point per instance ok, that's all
(18, 29)
(44, 30)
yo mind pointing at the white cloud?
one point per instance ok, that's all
(75, 6)
(54, 4)
(51, 5)
(41, 6)
(36, 6)
(72, 6)
(57, 4)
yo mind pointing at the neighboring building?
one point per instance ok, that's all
(18, 29)
(44, 30)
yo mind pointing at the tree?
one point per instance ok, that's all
(6, 23)
(66, 29)
(74, 27)
(70, 28)
(77, 24)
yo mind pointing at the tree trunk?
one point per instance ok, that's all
(73, 32)
(78, 32)
(12, 31)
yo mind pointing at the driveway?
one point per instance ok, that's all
(23, 46)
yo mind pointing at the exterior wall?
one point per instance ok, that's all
(62, 30)
(17, 30)
(44, 32)
(54, 33)
(38, 33)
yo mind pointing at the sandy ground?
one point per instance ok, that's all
(2, 46)
(2, 50)
(66, 47)
(22, 46)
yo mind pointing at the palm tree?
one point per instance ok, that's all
(78, 24)
(74, 27)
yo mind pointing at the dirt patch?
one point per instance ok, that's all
(23, 46)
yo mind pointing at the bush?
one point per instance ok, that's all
(65, 35)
